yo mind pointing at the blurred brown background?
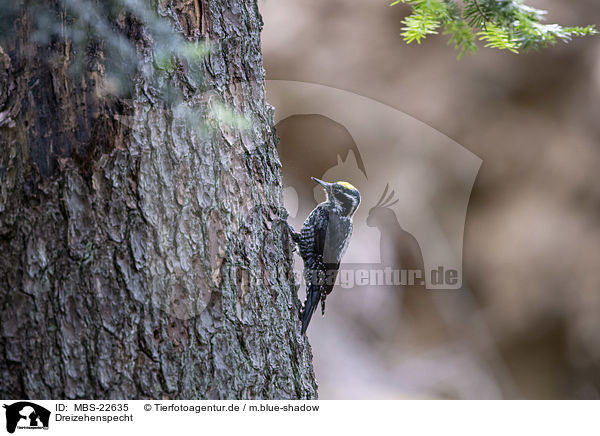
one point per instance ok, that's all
(527, 324)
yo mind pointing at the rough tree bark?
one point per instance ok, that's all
(141, 259)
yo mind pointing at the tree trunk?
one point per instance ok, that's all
(138, 257)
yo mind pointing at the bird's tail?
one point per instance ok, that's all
(312, 301)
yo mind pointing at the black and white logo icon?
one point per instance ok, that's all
(26, 415)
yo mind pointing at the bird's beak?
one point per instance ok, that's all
(325, 185)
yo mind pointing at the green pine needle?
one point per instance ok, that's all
(501, 24)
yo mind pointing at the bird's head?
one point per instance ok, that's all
(342, 195)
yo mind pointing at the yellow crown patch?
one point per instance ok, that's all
(347, 185)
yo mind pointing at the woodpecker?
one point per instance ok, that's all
(322, 242)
